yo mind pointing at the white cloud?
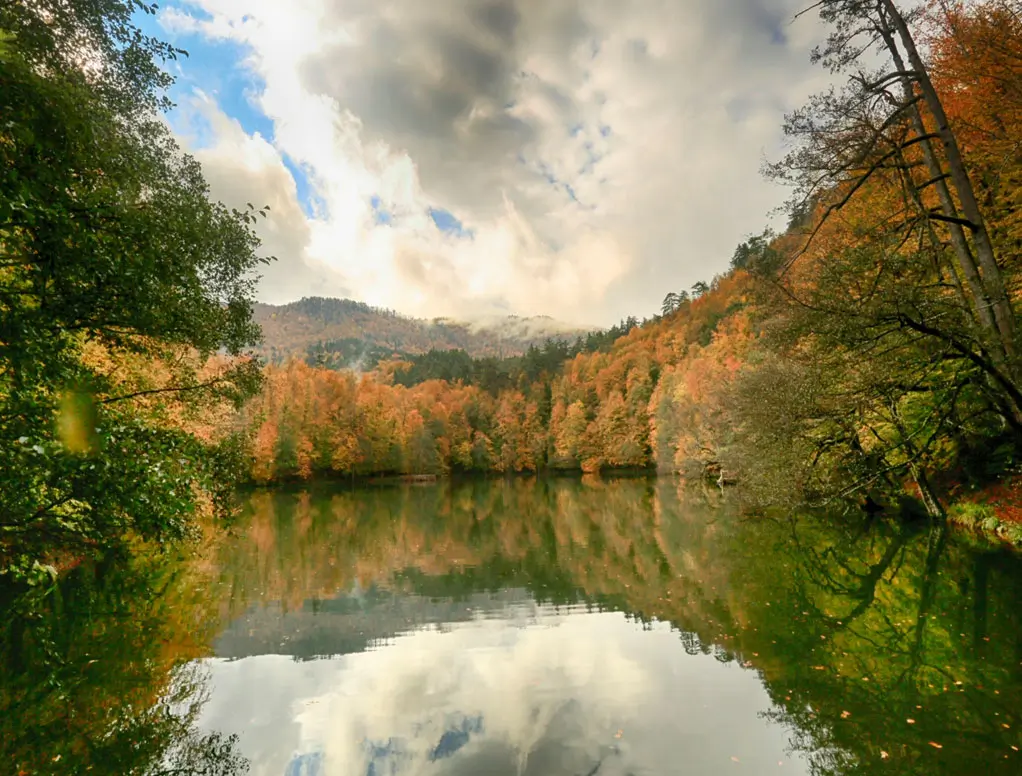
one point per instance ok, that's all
(242, 168)
(600, 153)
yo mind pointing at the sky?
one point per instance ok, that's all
(469, 158)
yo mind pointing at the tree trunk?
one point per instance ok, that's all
(982, 302)
(992, 280)
(987, 323)
(929, 497)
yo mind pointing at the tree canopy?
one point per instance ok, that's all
(120, 281)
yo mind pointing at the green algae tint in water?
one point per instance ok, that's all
(623, 627)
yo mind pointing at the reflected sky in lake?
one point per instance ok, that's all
(526, 627)
(543, 628)
(517, 689)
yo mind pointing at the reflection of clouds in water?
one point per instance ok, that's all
(552, 687)
(555, 694)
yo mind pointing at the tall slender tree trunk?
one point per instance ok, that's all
(914, 193)
(982, 301)
(992, 279)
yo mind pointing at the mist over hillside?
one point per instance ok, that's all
(346, 333)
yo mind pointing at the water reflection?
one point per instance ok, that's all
(527, 627)
(535, 691)
(99, 675)
(558, 627)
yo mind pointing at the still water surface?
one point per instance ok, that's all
(566, 627)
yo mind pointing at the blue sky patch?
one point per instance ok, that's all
(447, 223)
(380, 214)
(311, 203)
(214, 67)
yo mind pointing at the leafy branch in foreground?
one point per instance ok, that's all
(125, 294)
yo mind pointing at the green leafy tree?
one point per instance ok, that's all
(112, 257)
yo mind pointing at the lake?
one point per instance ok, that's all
(528, 627)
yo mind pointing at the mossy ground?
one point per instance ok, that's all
(995, 511)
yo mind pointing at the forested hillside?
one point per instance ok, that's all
(870, 348)
(342, 333)
(558, 406)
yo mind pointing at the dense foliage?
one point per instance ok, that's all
(119, 282)
(99, 675)
(580, 406)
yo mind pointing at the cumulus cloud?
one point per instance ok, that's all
(596, 154)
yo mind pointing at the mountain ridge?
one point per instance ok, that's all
(339, 333)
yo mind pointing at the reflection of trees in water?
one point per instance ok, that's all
(854, 630)
(95, 676)
(894, 684)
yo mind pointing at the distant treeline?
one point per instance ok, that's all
(497, 374)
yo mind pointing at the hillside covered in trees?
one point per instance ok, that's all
(342, 333)
(869, 348)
